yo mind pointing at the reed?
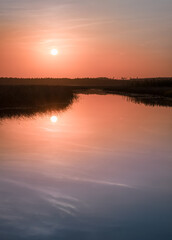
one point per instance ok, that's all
(28, 100)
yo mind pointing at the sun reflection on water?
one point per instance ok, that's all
(54, 119)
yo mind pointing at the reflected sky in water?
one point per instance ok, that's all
(100, 170)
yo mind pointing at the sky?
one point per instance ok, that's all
(94, 38)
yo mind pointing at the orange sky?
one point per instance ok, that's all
(94, 38)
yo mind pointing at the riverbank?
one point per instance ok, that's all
(152, 86)
(37, 93)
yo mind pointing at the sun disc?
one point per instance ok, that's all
(54, 52)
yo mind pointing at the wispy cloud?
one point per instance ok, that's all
(99, 182)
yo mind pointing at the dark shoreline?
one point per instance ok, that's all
(22, 97)
(153, 86)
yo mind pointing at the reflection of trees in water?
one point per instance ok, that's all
(150, 100)
(16, 101)
(146, 99)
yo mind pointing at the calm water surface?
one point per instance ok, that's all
(101, 170)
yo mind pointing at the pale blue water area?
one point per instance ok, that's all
(102, 171)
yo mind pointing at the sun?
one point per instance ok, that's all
(54, 119)
(54, 52)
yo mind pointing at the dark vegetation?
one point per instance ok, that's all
(29, 96)
(150, 100)
(153, 86)
(156, 87)
(28, 100)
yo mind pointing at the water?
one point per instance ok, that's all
(99, 170)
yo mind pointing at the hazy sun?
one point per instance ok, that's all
(54, 52)
(54, 119)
